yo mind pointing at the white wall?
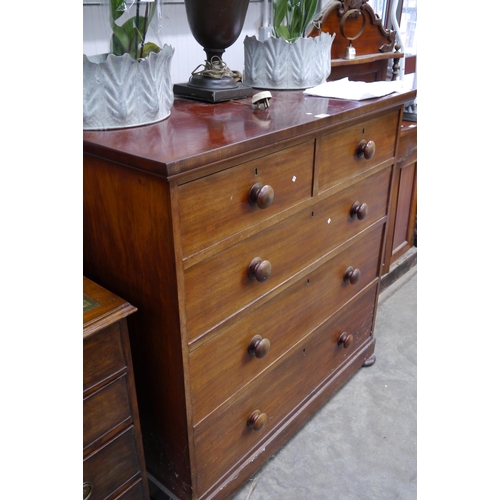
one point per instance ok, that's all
(188, 53)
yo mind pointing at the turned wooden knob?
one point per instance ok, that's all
(261, 195)
(352, 275)
(345, 339)
(259, 269)
(365, 149)
(257, 420)
(259, 347)
(359, 210)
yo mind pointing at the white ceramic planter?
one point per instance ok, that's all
(278, 64)
(120, 92)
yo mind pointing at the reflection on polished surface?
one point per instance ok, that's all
(196, 128)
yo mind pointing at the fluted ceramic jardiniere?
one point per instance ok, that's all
(279, 64)
(131, 85)
(120, 92)
(289, 59)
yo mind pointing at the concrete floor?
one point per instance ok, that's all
(362, 445)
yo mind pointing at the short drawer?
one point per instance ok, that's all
(112, 466)
(104, 410)
(214, 207)
(221, 286)
(103, 355)
(230, 360)
(338, 158)
(135, 493)
(226, 438)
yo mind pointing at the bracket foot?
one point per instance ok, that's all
(370, 361)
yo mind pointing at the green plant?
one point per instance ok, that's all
(130, 37)
(291, 17)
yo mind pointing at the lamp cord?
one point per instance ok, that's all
(216, 68)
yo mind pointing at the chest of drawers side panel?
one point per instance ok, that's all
(129, 248)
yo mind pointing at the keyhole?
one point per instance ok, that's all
(256, 171)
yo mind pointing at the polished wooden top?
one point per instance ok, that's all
(101, 308)
(198, 133)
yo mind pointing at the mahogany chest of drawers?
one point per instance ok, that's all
(113, 458)
(251, 242)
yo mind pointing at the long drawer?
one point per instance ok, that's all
(337, 158)
(251, 345)
(134, 493)
(225, 438)
(105, 410)
(112, 466)
(217, 206)
(218, 287)
(103, 356)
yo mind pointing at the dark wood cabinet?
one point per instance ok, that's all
(401, 235)
(376, 51)
(113, 458)
(251, 242)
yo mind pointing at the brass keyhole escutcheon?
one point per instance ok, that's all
(88, 487)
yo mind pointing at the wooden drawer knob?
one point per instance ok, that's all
(352, 275)
(259, 269)
(261, 195)
(365, 149)
(257, 420)
(87, 490)
(345, 339)
(259, 347)
(359, 210)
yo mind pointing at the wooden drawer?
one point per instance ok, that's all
(223, 365)
(103, 356)
(112, 466)
(224, 439)
(217, 206)
(134, 493)
(289, 246)
(337, 160)
(104, 410)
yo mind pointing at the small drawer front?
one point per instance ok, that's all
(103, 355)
(229, 361)
(221, 286)
(134, 493)
(338, 158)
(219, 205)
(112, 466)
(104, 410)
(224, 439)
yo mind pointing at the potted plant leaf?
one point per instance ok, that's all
(130, 85)
(289, 59)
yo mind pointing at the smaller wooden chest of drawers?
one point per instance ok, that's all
(113, 458)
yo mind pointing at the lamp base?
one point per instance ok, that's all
(212, 95)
